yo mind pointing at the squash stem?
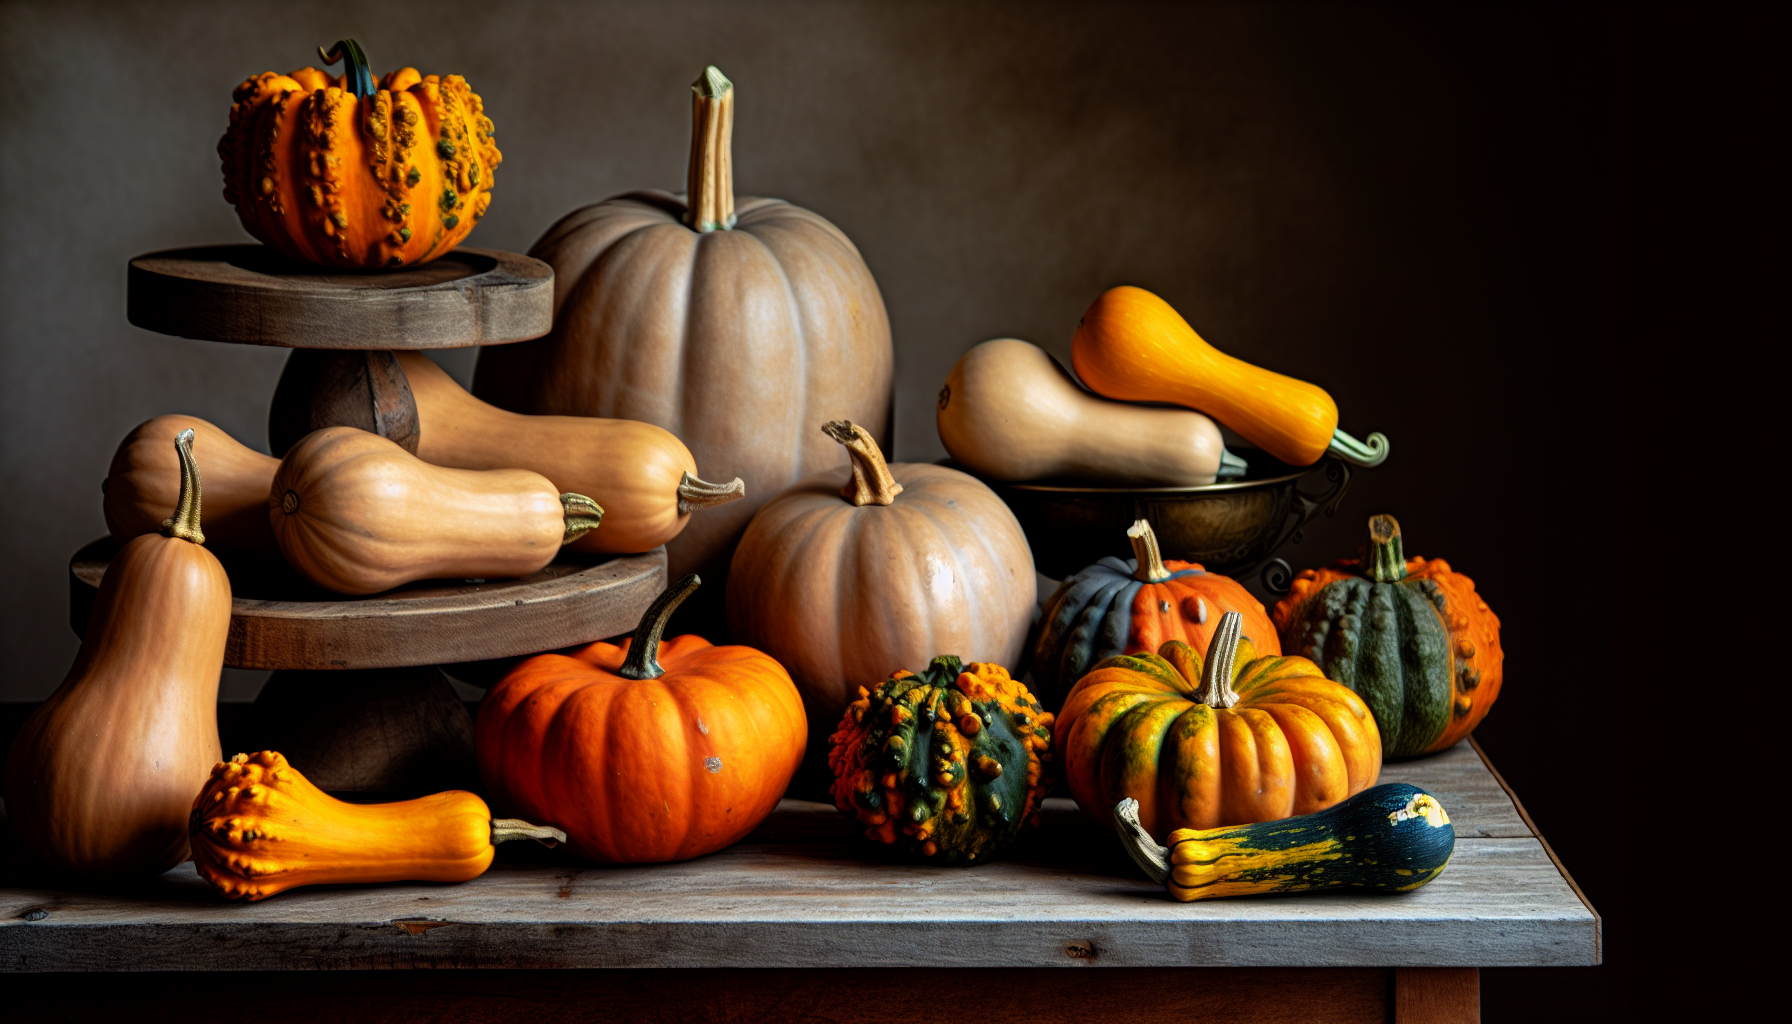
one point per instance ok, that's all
(695, 494)
(1384, 560)
(582, 516)
(1151, 858)
(1368, 454)
(709, 183)
(871, 482)
(643, 661)
(1217, 668)
(357, 77)
(1232, 467)
(1144, 551)
(506, 829)
(185, 521)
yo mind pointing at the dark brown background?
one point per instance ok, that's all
(1476, 225)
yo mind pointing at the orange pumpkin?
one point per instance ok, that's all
(332, 169)
(1256, 739)
(647, 752)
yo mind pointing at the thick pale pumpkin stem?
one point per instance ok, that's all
(1151, 858)
(185, 521)
(357, 76)
(582, 516)
(1384, 560)
(695, 494)
(1144, 551)
(643, 660)
(1217, 668)
(506, 829)
(1373, 452)
(871, 483)
(709, 184)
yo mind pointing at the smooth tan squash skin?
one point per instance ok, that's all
(142, 486)
(1134, 346)
(1010, 412)
(631, 468)
(367, 516)
(101, 777)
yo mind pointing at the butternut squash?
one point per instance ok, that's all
(142, 487)
(357, 514)
(259, 828)
(642, 475)
(1010, 412)
(1134, 346)
(100, 778)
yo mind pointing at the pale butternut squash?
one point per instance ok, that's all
(142, 487)
(355, 513)
(100, 779)
(1010, 412)
(1134, 346)
(642, 475)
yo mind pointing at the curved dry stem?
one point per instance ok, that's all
(582, 516)
(871, 482)
(1145, 552)
(357, 75)
(1151, 858)
(695, 495)
(185, 521)
(643, 661)
(1217, 668)
(506, 829)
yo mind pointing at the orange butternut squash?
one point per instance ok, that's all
(1134, 346)
(142, 487)
(100, 778)
(357, 514)
(259, 828)
(642, 475)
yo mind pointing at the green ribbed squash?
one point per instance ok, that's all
(947, 765)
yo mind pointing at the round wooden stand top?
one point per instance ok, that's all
(253, 295)
(280, 621)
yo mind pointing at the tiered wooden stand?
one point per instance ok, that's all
(358, 701)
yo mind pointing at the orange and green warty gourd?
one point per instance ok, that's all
(343, 171)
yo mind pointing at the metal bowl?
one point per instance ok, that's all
(1234, 527)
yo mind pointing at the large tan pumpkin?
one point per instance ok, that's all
(738, 333)
(845, 585)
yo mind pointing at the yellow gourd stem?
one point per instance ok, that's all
(1217, 669)
(695, 494)
(357, 77)
(185, 521)
(709, 183)
(506, 829)
(643, 660)
(1144, 550)
(1384, 560)
(871, 483)
(582, 516)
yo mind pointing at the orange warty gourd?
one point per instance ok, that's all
(337, 170)
(846, 584)
(357, 514)
(1134, 346)
(1255, 739)
(142, 487)
(100, 778)
(646, 752)
(259, 828)
(737, 326)
(644, 477)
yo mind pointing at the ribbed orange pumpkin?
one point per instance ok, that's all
(648, 752)
(334, 170)
(1169, 731)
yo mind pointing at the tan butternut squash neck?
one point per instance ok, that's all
(185, 521)
(582, 516)
(871, 482)
(1144, 549)
(1216, 669)
(643, 661)
(709, 183)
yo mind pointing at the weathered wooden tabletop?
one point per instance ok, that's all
(806, 891)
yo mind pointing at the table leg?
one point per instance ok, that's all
(1437, 995)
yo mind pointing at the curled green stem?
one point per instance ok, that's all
(582, 516)
(1369, 453)
(357, 76)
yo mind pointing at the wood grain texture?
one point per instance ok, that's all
(332, 388)
(770, 996)
(804, 890)
(1437, 995)
(252, 295)
(279, 621)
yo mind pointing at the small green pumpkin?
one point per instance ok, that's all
(947, 765)
(1394, 838)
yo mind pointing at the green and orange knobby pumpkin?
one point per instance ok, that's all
(1135, 606)
(1410, 636)
(947, 764)
(343, 171)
